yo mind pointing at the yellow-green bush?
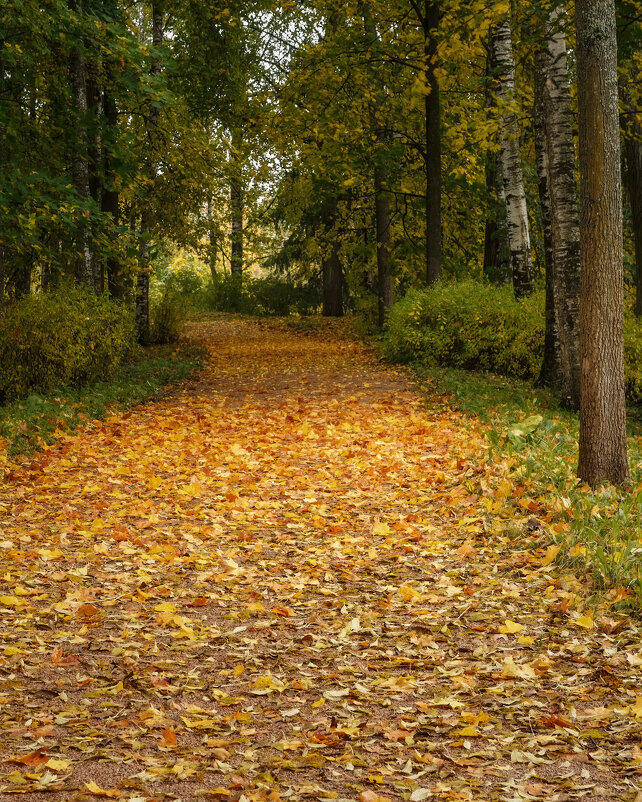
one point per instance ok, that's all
(481, 327)
(67, 337)
(468, 325)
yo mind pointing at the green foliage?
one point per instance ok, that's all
(167, 318)
(38, 420)
(69, 336)
(261, 296)
(468, 325)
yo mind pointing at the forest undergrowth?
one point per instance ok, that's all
(290, 578)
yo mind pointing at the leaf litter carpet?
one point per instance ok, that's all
(290, 579)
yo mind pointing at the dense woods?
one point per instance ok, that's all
(355, 151)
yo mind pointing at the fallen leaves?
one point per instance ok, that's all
(291, 580)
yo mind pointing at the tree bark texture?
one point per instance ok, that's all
(236, 203)
(381, 191)
(511, 162)
(146, 227)
(211, 232)
(554, 99)
(496, 264)
(80, 159)
(633, 160)
(551, 370)
(331, 267)
(433, 144)
(110, 203)
(603, 449)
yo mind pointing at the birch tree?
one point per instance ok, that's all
(558, 195)
(511, 161)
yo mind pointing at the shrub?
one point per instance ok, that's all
(261, 296)
(468, 325)
(70, 336)
(167, 318)
(480, 327)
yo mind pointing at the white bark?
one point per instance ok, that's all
(511, 161)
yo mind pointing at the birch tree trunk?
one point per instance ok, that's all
(80, 159)
(511, 162)
(603, 449)
(552, 87)
(430, 24)
(142, 279)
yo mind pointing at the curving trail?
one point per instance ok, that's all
(289, 579)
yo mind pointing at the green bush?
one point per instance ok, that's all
(468, 325)
(69, 336)
(261, 296)
(167, 318)
(481, 327)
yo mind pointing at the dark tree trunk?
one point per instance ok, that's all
(603, 448)
(236, 203)
(111, 198)
(211, 254)
(142, 279)
(381, 190)
(551, 370)
(433, 144)
(332, 283)
(633, 155)
(80, 160)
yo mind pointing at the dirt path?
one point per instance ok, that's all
(289, 580)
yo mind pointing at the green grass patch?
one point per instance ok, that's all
(598, 532)
(38, 420)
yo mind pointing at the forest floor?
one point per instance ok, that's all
(291, 579)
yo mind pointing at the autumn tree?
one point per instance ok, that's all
(603, 450)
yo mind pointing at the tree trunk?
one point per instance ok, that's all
(433, 144)
(211, 255)
(80, 159)
(633, 159)
(381, 192)
(332, 283)
(602, 452)
(551, 370)
(496, 265)
(236, 203)
(111, 197)
(142, 279)
(511, 163)
(556, 166)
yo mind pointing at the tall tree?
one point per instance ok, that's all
(511, 161)
(142, 279)
(80, 160)
(603, 449)
(558, 194)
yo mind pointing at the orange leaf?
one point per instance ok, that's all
(33, 758)
(168, 740)
(283, 611)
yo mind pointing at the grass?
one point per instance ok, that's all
(36, 421)
(596, 534)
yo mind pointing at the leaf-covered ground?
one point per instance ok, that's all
(291, 580)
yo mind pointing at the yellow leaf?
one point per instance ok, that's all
(96, 790)
(577, 551)
(381, 528)
(166, 607)
(319, 703)
(408, 593)
(510, 627)
(155, 482)
(636, 709)
(551, 554)
(238, 670)
(526, 640)
(585, 621)
(10, 651)
(468, 732)
(12, 601)
(58, 765)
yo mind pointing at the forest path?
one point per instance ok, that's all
(290, 580)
